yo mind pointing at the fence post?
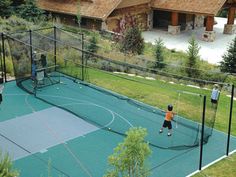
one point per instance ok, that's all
(55, 45)
(82, 68)
(1, 62)
(230, 119)
(202, 131)
(31, 49)
(4, 58)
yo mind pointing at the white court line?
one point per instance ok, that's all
(112, 113)
(55, 135)
(82, 102)
(16, 94)
(91, 104)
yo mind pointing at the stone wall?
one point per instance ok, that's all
(139, 12)
(199, 21)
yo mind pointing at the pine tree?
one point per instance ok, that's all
(159, 47)
(228, 64)
(193, 57)
(5, 8)
(129, 156)
(92, 47)
(29, 11)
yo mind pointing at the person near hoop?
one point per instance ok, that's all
(33, 66)
(167, 122)
(215, 95)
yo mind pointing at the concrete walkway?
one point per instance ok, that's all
(210, 51)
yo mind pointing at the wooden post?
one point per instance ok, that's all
(231, 15)
(174, 28)
(209, 23)
(174, 18)
(230, 28)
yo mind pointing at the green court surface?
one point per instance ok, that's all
(49, 134)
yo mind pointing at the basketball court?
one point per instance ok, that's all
(39, 136)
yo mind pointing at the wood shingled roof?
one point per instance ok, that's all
(101, 9)
(209, 7)
(98, 9)
(128, 3)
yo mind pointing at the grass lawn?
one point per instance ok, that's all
(223, 168)
(159, 94)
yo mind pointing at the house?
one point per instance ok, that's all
(171, 15)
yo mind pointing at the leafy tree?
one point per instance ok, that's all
(159, 47)
(126, 22)
(128, 35)
(6, 167)
(228, 64)
(129, 157)
(133, 42)
(29, 11)
(5, 8)
(193, 57)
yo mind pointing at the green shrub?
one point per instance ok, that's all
(30, 11)
(133, 42)
(6, 167)
(14, 23)
(9, 67)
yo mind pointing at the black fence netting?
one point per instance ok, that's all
(33, 67)
(139, 94)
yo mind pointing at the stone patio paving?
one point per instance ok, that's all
(210, 51)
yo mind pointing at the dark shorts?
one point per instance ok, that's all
(167, 124)
(0, 97)
(214, 101)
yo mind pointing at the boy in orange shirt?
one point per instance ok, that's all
(168, 118)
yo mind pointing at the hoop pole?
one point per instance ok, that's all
(230, 119)
(4, 59)
(31, 49)
(82, 35)
(177, 111)
(55, 45)
(202, 131)
(1, 62)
